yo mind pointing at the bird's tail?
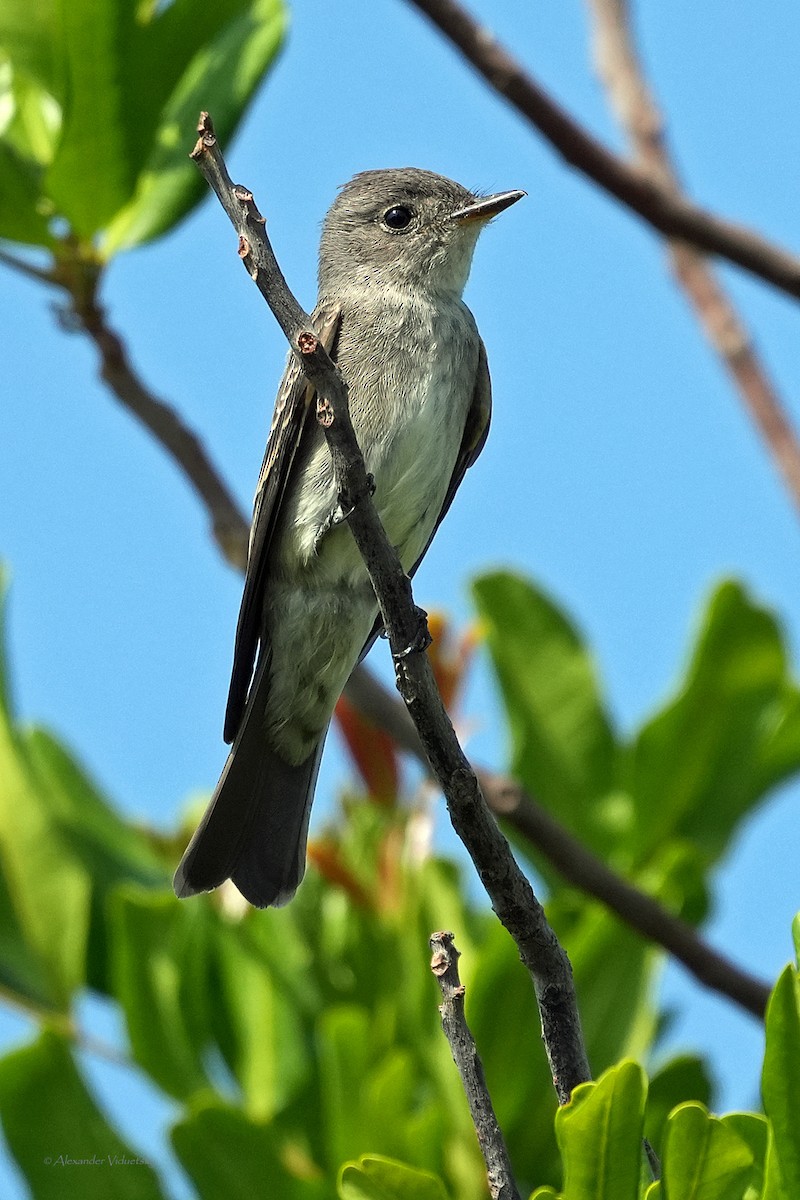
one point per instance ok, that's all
(255, 827)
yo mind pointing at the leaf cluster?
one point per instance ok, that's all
(303, 1046)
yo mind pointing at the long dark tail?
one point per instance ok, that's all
(255, 827)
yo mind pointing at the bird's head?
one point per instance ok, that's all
(404, 228)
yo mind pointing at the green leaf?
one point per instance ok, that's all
(704, 1159)
(220, 78)
(44, 883)
(563, 746)
(32, 37)
(780, 1080)
(30, 119)
(376, 1178)
(114, 850)
(230, 1155)
(22, 971)
(20, 218)
(732, 733)
(111, 850)
(267, 1052)
(753, 1129)
(772, 1188)
(51, 1123)
(796, 937)
(160, 970)
(345, 1060)
(684, 1077)
(120, 157)
(600, 1136)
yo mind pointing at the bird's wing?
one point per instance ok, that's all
(294, 406)
(476, 431)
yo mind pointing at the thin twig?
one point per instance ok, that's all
(80, 278)
(230, 528)
(444, 965)
(670, 213)
(64, 1025)
(511, 894)
(578, 865)
(620, 68)
(40, 274)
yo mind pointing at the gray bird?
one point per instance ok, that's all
(394, 258)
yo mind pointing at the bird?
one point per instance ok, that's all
(395, 253)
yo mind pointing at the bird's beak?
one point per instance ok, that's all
(490, 206)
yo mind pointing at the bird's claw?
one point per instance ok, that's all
(341, 513)
(421, 639)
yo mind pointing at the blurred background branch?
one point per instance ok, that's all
(620, 68)
(667, 210)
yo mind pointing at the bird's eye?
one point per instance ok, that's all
(397, 217)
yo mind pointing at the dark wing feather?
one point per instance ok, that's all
(476, 431)
(293, 408)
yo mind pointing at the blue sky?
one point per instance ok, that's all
(621, 471)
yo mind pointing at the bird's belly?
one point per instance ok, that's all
(317, 633)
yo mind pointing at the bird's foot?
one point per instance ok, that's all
(421, 639)
(347, 504)
(343, 510)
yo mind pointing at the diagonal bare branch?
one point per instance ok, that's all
(511, 894)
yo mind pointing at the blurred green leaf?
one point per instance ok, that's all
(703, 1158)
(49, 1117)
(48, 888)
(773, 1187)
(563, 746)
(780, 1080)
(119, 163)
(30, 119)
(114, 850)
(377, 1178)
(160, 970)
(732, 733)
(600, 1134)
(91, 174)
(221, 78)
(20, 219)
(753, 1129)
(684, 1077)
(230, 1155)
(111, 850)
(268, 1055)
(345, 1048)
